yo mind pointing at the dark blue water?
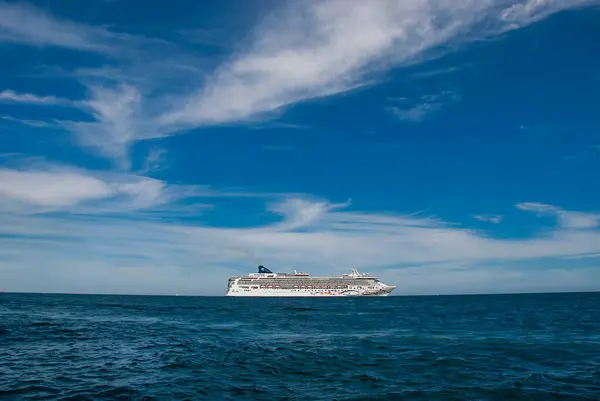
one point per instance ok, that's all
(529, 347)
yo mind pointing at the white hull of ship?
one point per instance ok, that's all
(283, 293)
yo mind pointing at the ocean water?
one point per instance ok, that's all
(517, 347)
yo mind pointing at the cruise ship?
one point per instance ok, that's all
(265, 283)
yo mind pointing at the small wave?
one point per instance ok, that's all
(300, 309)
(225, 326)
(65, 331)
(367, 378)
(175, 365)
(44, 324)
(254, 389)
(119, 392)
(28, 390)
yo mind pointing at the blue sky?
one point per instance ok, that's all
(448, 147)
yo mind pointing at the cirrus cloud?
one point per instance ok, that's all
(566, 219)
(302, 51)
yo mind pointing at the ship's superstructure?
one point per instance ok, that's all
(265, 283)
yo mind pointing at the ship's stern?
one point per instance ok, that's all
(232, 287)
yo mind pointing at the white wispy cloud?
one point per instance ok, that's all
(49, 188)
(118, 121)
(12, 96)
(525, 12)
(154, 161)
(26, 24)
(416, 113)
(314, 49)
(319, 48)
(39, 188)
(31, 123)
(537, 207)
(35, 186)
(490, 218)
(301, 213)
(118, 118)
(425, 105)
(566, 218)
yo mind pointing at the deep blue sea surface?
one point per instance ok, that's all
(519, 347)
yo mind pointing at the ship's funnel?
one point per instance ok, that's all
(262, 269)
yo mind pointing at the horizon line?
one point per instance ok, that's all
(225, 296)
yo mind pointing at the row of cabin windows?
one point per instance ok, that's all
(298, 289)
(305, 283)
(297, 280)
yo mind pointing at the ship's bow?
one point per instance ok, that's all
(387, 290)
